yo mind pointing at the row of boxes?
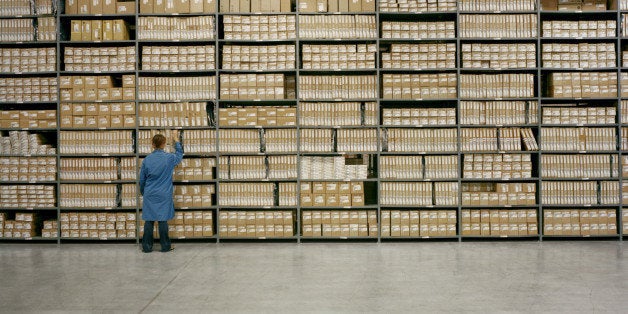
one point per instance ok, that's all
(177, 6)
(624, 84)
(198, 141)
(418, 116)
(624, 111)
(503, 139)
(99, 30)
(23, 226)
(416, 6)
(94, 88)
(28, 169)
(50, 229)
(145, 140)
(418, 223)
(196, 224)
(264, 27)
(272, 224)
(338, 114)
(492, 222)
(578, 139)
(98, 7)
(422, 140)
(22, 60)
(247, 194)
(99, 58)
(505, 85)
(97, 168)
(357, 140)
(255, 6)
(496, 5)
(330, 194)
(257, 116)
(27, 89)
(186, 196)
(333, 168)
(574, 114)
(239, 141)
(339, 223)
(25, 7)
(183, 114)
(177, 88)
(46, 29)
(129, 195)
(418, 193)
(418, 167)
(419, 86)
(101, 121)
(579, 29)
(579, 222)
(358, 56)
(176, 28)
(97, 115)
(32, 119)
(316, 140)
(255, 86)
(322, 6)
(280, 140)
(288, 194)
(346, 26)
(178, 58)
(338, 87)
(258, 167)
(100, 225)
(88, 195)
(580, 193)
(497, 166)
(192, 169)
(581, 55)
(17, 30)
(27, 196)
(96, 142)
(582, 85)
(419, 56)
(498, 194)
(275, 57)
(25, 143)
(498, 26)
(498, 112)
(499, 56)
(575, 5)
(418, 30)
(579, 166)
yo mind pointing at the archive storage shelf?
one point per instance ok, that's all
(421, 73)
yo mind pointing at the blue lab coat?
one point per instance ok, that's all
(156, 184)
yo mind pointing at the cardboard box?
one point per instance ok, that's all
(146, 6)
(109, 7)
(71, 6)
(209, 6)
(125, 7)
(95, 6)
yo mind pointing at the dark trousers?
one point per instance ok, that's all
(164, 239)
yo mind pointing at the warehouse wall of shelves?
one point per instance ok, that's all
(316, 119)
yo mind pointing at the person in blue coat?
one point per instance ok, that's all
(156, 187)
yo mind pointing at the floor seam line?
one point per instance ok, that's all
(168, 284)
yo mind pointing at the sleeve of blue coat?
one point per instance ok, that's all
(143, 175)
(175, 158)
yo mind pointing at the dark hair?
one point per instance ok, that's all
(159, 140)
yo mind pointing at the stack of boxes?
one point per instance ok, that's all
(264, 27)
(99, 142)
(498, 26)
(418, 223)
(23, 227)
(192, 28)
(258, 116)
(177, 6)
(282, 167)
(574, 5)
(88, 169)
(97, 88)
(582, 84)
(580, 29)
(422, 140)
(580, 193)
(144, 140)
(497, 166)
(31, 119)
(25, 143)
(418, 116)
(180, 114)
(95, 7)
(418, 193)
(255, 6)
(322, 6)
(288, 194)
(499, 56)
(88, 196)
(194, 196)
(418, 30)
(280, 140)
(17, 30)
(192, 224)
(178, 58)
(97, 115)
(579, 115)
(497, 5)
(46, 29)
(128, 195)
(99, 30)
(419, 86)
(498, 194)
(579, 166)
(357, 140)
(578, 139)
(195, 169)
(16, 7)
(28, 89)
(581, 55)
(50, 229)
(22, 60)
(332, 194)
(579, 222)
(99, 59)
(416, 6)
(493, 222)
(316, 140)
(419, 56)
(485, 139)
(255, 86)
(505, 85)
(337, 114)
(31, 169)
(333, 168)
(98, 225)
(338, 87)
(177, 88)
(498, 112)
(360, 56)
(27, 196)
(247, 194)
(200, 141)
(276, 57)
(256, 224)
(239, 141)
(339, 223)
(347, 26)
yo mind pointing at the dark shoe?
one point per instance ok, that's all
(166, 251)
(146, 251)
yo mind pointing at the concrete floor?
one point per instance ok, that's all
(317, 277)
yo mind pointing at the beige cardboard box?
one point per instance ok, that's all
(95, 6)
(109, 6)
(355, 6)
(71, 6)
(209, 6)
(146, 6)
(125, 7)
(196, 6)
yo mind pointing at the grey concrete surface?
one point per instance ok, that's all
(567, 277)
